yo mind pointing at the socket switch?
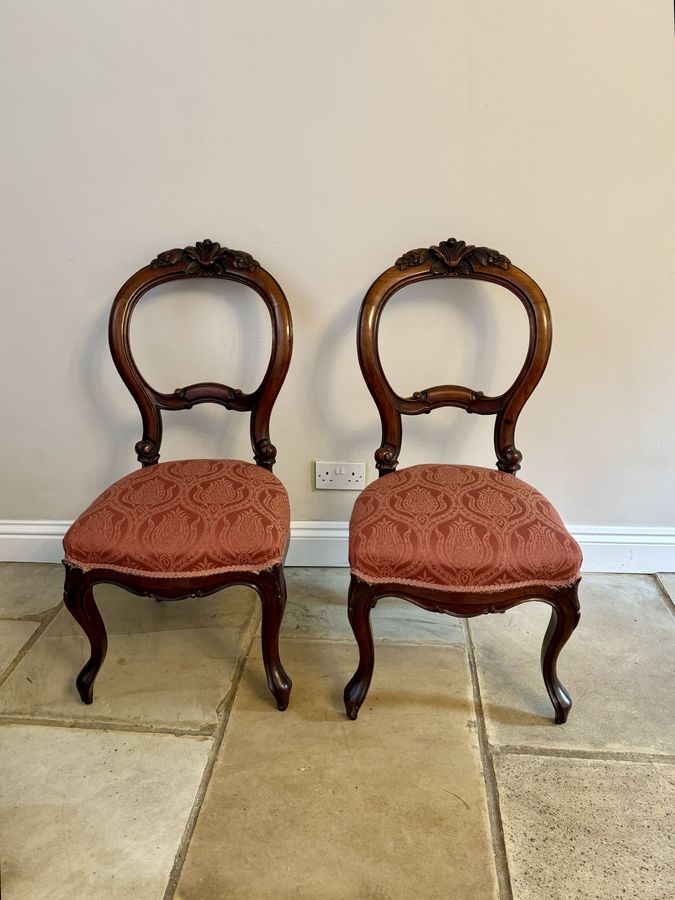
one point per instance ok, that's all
(339, 476)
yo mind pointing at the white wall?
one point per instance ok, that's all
(326, 139)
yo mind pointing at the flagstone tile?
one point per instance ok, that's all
(588, 827)
(28, 589)
(92, 813)
(169, 664)
(618, 666)
(309, 804)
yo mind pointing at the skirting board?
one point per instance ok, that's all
(605, 548)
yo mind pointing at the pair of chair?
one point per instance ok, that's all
(461, 540)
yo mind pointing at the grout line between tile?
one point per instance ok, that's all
(35, 636)
(665, 596)
(349, 639)
(102, 725)
(224, 710)
(491, 789)
(32, 617)
(564, 753)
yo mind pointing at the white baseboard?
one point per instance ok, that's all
(318, 544)
(32, 540)
(606, 548)
(626, 549)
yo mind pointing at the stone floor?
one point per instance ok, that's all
(182, 780)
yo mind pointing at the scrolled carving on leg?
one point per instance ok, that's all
(564, 619)
(361, 601)
(78, 596)
(271, 588)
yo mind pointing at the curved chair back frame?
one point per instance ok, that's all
(453, 259)
(210, 260)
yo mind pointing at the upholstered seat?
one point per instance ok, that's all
(459, 528)
(184, 519)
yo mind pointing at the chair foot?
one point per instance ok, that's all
(78, 596)
(361, 601)
(85, 685)
(354, 695)
(561, 713)
(271, 588)
(282, 694)
(564, 619)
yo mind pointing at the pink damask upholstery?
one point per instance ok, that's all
(461, 528)
(184, 519)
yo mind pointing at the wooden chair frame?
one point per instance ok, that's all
(455, 259)
(210, 260)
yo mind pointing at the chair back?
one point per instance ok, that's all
(453, 259)
(205, 260)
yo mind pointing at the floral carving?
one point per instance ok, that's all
(206, 258)
(452, 256)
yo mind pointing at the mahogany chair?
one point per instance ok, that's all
(461, 540)
(189, 528)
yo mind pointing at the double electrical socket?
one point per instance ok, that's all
(339, 476)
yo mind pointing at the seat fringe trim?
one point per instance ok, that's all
(198, 573)
(463, 588)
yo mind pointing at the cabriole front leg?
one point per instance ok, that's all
(361, 601)
(78, 596)
(564, 619)
(271, 587)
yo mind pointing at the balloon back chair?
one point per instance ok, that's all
(456, 539)
(189, 528)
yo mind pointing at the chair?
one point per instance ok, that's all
(461, 540)
(189, 528)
